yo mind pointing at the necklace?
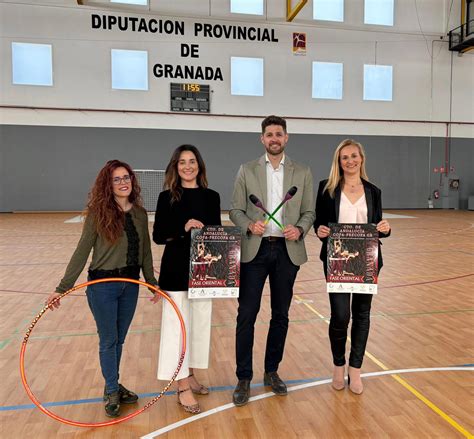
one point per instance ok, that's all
(354, 187)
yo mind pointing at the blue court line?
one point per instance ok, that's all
(141, 395)
(153, 394)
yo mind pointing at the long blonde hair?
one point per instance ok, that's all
(336, 176)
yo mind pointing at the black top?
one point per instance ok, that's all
(199, 204)
(327, 211)
(133, 241)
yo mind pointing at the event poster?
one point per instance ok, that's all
(215, 262)
(352, 258)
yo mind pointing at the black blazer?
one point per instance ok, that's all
(327, 211)
(201, 204)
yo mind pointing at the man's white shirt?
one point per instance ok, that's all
(274, 195)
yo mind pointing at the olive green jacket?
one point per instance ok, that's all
(107, 256)
(298, 211)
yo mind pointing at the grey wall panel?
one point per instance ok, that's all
(52, 168)
(462, 158)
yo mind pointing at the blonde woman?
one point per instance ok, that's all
(348, 197)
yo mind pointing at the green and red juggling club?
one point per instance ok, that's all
(260, 205)
(289, 195)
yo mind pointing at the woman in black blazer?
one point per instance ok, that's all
(186, 204)
(341, 200)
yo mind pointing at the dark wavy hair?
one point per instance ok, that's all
(172, 179)
(273, 120)
(108, 216)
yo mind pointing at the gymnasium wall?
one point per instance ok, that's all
(52, 168)
(54, 139)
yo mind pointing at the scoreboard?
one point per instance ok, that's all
(189, 97)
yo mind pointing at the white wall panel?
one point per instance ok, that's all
(82, 61)
(189, 8)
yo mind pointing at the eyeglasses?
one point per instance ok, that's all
(119, 180)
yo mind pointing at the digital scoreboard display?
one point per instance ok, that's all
(192, 98)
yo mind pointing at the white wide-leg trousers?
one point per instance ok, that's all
(197, 319)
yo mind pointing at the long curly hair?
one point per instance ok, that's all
(108, 217)
(172, 179)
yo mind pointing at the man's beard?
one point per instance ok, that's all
(270, 151)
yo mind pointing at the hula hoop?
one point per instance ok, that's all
(118, 420)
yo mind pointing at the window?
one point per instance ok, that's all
(377, 83)
(131, 2)
(246, 76)
(327, 80)
(378, 12)
(32, 64)
(254, 7)
(328, 10)
(129, 69)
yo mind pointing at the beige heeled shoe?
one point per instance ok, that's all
(338, 382)
(356, 388)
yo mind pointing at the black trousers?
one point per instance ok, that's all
(272, 261)
(340, 315)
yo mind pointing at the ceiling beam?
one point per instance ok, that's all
(291, 12)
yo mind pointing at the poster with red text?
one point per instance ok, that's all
(352, 258)
(214, 270)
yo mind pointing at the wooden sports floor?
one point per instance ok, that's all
(422, 327)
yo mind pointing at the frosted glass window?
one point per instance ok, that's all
(378, 83)
(32, 64)
(131, 2)
(328, 10)
(327, 80)
(254, 7)
(246, 76)
(129, 69)
(378, 12)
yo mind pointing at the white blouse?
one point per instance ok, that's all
(352, 213)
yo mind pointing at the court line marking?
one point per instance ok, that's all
(18, 336)
(464, 367)
(230, 405)
(387, 215)
(315, 256)
(385, 287)
(428, 282)
(298, 281)
(16, 331)
(407, 386)
(151, 217)
(32, 263)
(453, 232)
(141, 395)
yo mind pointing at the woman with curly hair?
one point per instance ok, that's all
(116, 228)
